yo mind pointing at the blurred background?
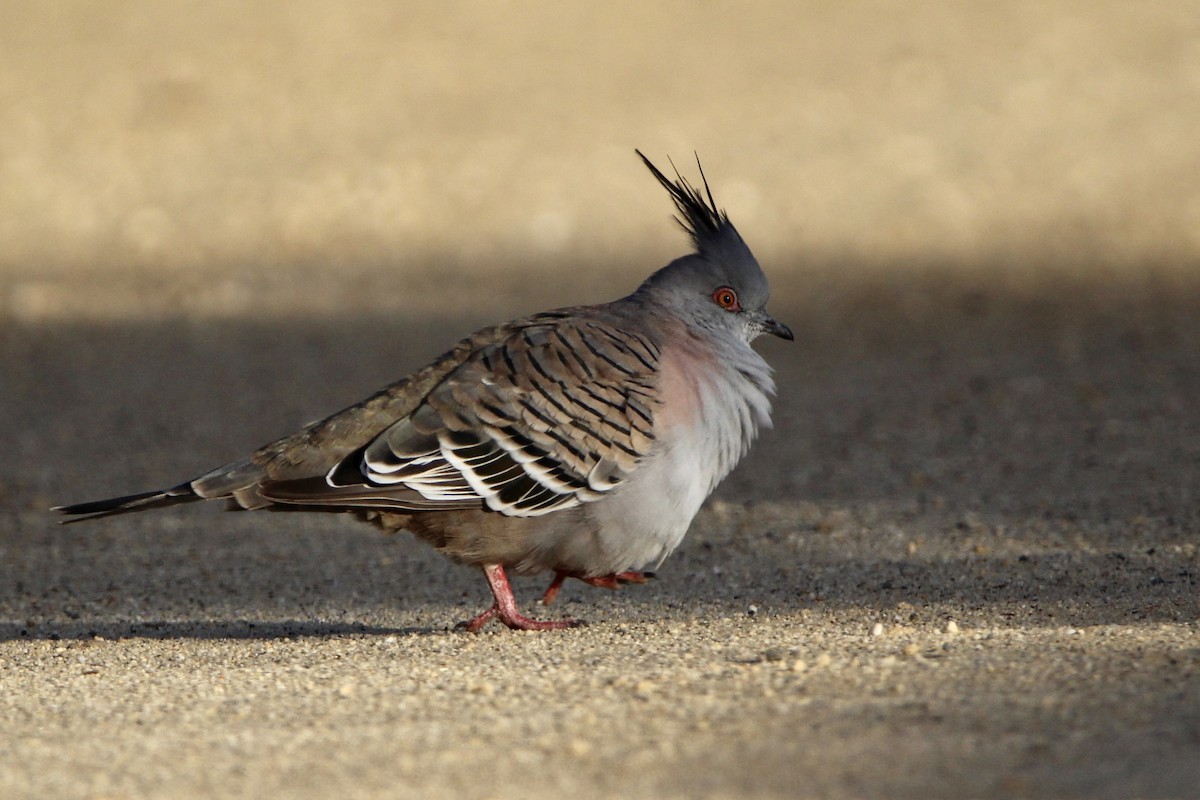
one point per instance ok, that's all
(219, 222)
(222, 220)
(215, 159)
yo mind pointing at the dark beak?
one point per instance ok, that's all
(768, 324)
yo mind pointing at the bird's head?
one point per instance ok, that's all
(720, 286)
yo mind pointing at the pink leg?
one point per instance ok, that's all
(614, 580)
(505, 608)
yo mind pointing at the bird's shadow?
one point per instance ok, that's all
(233, 629)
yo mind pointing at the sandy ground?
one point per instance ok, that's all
(963, 564)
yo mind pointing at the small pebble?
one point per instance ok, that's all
(774, 654)
(877, 629)
(952, 627)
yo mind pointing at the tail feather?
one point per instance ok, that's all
(143, 501)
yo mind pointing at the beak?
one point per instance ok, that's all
(768, 324)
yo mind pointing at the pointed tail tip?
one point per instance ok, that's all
(143, 501)
(110, 504)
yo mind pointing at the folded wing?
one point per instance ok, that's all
(557, 413)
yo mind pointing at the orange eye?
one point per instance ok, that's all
(727, 299)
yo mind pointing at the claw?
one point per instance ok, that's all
(614, 580)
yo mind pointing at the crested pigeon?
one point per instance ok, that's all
(580, 441)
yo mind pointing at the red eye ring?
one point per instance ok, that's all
(726, 298)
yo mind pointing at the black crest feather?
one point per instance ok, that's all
(700, 217)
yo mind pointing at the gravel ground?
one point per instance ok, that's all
(965, 563)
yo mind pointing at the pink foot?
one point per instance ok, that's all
(614, 580)
(505, 608)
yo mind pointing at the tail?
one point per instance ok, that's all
(238, 482)
(144, 501)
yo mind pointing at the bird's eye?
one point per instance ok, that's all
(727, 299)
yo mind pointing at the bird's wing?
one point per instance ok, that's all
(556, 413)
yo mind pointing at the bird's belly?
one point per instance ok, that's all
(646, 518)
(640, 524)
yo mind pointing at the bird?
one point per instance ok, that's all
(580, 441)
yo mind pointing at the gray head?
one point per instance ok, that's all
(719, 287)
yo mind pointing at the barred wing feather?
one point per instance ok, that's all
(555, 414)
